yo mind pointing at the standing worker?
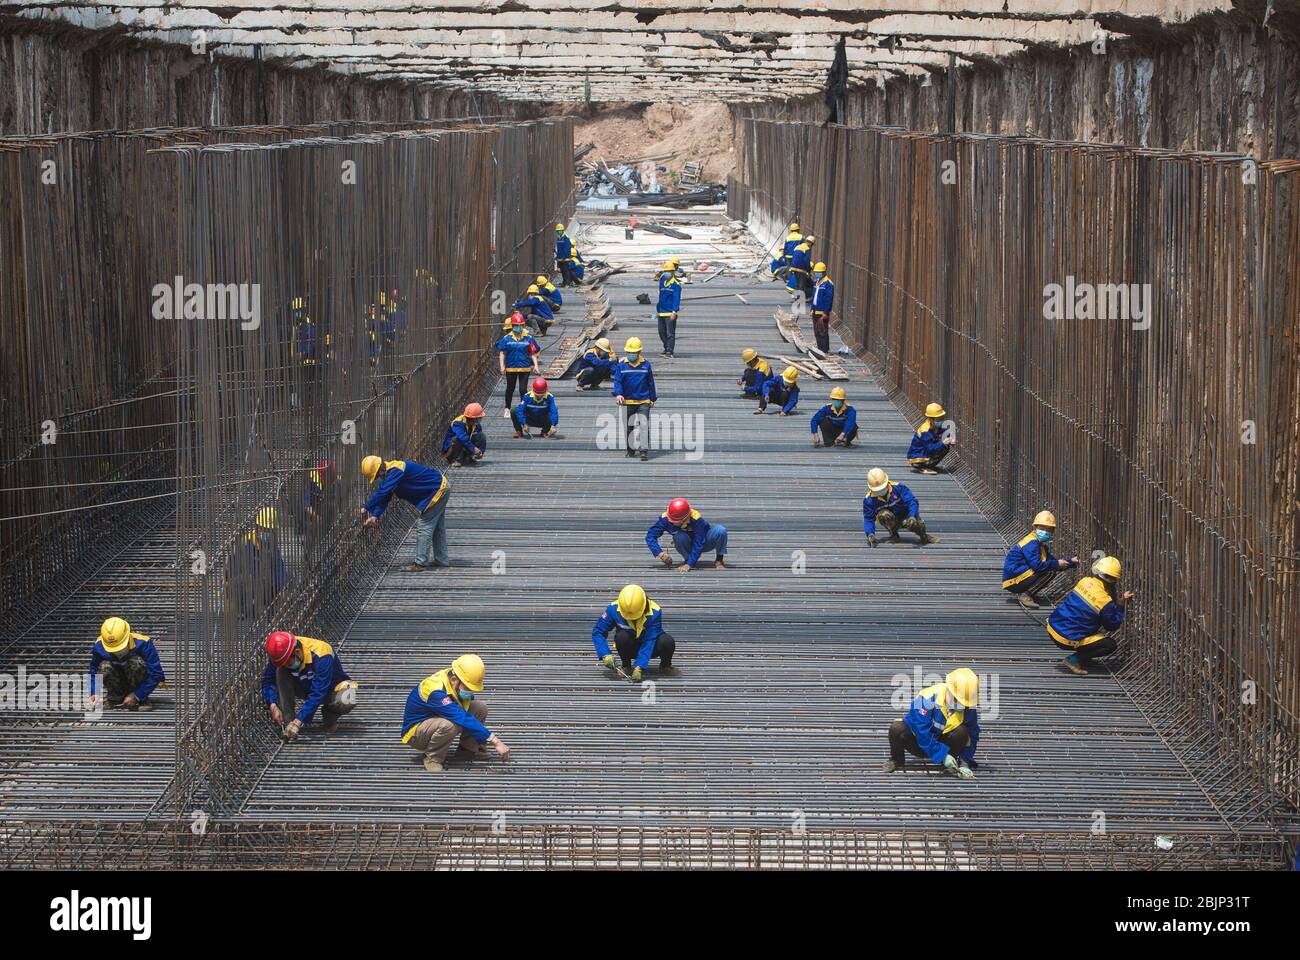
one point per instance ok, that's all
(692, 536)
(596, 363)
(465, 442)
(892, 506)
(798, 279)
(132, 669)
(782, 390)
(308, 668)
(823, 301)
(634, 388)
(517, 356)
(756, 373)
(792, 239)
(424, 488)
(835, 423)
(639, 635)
(536, 409)
(566, 258)
(931, 443)
(1030, 566)
(942, 724)
(670, 300)
(443, 705)
(1085, 622)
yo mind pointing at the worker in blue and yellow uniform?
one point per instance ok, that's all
(319, 502)
(537, 308)
(931, 443)
(464, 444)
(670, 301)
(792, 239)
(446, 704)
(549, 292)
(823, 301)
(639, 635)
(942, 724)
(892, 506)
(634, 390)
(257, 571)
(308, 668)
(782, 390)
(835, 423)
(692, 536)
(517, 356)
(798, 278)
(1085, 622)
(424, 488)
(596, 363)
(537, 409)
(1030, 566)
(756, 373)
(567, 259)
(132, 669)
(672, 267)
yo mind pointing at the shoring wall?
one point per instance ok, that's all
(1171, 443)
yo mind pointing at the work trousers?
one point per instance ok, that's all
(337, 702)
(715, 540)
(592, 376)
(431, 531)
(570, 278)
(821, 324)
(893, 523)
(433, 737)
(513, 379)
(1101, 645)
(1032, 584)
(123, 676)
(539, 419)
(668, 331)
(627, 645)
(935, 459)
(779, 395)
(638, 426)
(459, 453)
(830, 432)
(902, 739)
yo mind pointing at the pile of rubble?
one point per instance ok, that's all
(633, 182)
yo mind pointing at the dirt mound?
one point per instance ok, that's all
(627, 131)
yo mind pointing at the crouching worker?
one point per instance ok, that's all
(892, 506)
(132, 670)
(756, 374)
(1030, 566)
(942, 724)
(536, 409)
(931, 443)
(465, 443)
(595, 365)
(692, 536)
(835, 423)
(444, 705)
(307, 668)
(639, 635)
(783, 391)
(1084, 623)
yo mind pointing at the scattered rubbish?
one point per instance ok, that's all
(1164, 843)
(643, 298)
(666, 231)
(691, 173)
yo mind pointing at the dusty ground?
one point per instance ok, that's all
(626, 131)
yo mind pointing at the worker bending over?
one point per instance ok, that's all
(792, 239)
(308, 668)
(567, 259)
(835, 423)
(1085, 622)
(892, 506)
(823, 301)
(517, 357)
(538, 307)
(692, 536)
(639, 635)
(444, 705)
(782, 390)
(465, 443)
(930, 443)
(942, 724)
(798, 279)
(756, 373)
(549, 292)
(596, 363)
(132, 669)
(536, 409)
(634, 390)
(1030, 566)
(424, 488)
(670, 301)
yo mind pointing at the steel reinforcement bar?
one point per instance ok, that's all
(1113, 332)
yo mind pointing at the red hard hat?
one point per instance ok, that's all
(539, 386)
(279, 647)
(474, 411)
(679, 510)
(516, 319)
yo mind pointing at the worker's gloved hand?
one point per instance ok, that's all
(685, 568)
(607, 661)
(871, 539)
(950, 763)
(965, 772)
(909, 523)
(636, 675)
(784, 414)
(292, 729)
(130, 701)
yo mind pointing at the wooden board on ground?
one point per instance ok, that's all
(802, 365)
(565, 352)
(826, 366)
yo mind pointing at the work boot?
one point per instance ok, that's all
(891, 765)
(928, 538)
(645, 455)
(433, 766)
(144, 707)
(1026, 601)
(329, 726)
(631, 452)
(719, 564)
(1074, 666)
(415, 567)
(668, 670)
(894, 537)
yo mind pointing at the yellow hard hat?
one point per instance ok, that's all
(790, 374)
(559, 226)
(542, 278)
(1045, 518)
(810, 239)
(468, 668)
(532, 288)
(266, 518)
(794, 226)
(370, 467)
(964, 685)
(838, 394)
(675, 260)
(633, 345)
(749, 354)
(631, 602)
(877, 480)
(603, 343)
(668, 266)
(935, 410)
(1107, 567)
(819, 267)
(114, 634)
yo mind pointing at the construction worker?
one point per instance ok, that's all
(566, 258)
(782, 390)
(637, 623)
(536, 409)
(465, 442)
(538, 308)
(835, 423)
(823, 301)
(443, 705)
(319, 502)
(257, 571)
(670, 300)
(692, 536)
(792, 239)
(675, 264)
(930, 443)
(892, 506)
(756, 373)
(1030, 566)
(549, 292)
(634, 390)
(1085, 622)
(942, 724)
(596, 363)
(307, 668)
(517, 355)
(424, 488)
(132, 669)
(798, 278)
